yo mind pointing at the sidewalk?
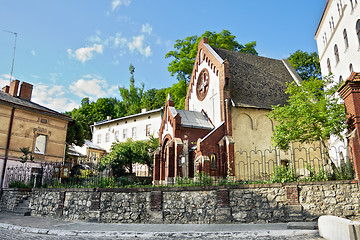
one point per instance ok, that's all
(51, 226)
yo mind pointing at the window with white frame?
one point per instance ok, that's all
(124, 133)
(346, 41)
(133, 132)
(336, 53)
(329, 65)
(148, 129)
(107, 137)
(358, 29)
(98, 138)
(117, 136)
(40, 144)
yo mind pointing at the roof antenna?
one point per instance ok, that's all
(13, 61)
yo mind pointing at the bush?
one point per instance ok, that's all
(283, 174)
(20, 184)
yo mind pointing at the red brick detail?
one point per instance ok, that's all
(156, 174)
(156, 201)
(95, 201)
(222, 196)
(350, 93)
(26, 91)
(292, 195)
(14, 87)
(5, 89)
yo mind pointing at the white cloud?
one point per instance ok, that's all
(115, 4)
(92, 86)
(4, 80)
(52, 97)
(137, 44)
(33, 52)
(146, 28)
(86, 53)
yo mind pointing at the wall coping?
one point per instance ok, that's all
(181, 189)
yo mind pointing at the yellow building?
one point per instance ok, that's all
(24, 123)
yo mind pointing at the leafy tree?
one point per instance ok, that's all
(154, 98)
(133, 96)
(306, 64)
(313, 113)
(75, 133)
(178, 92)
(124, 154)
(90, 112)
(186, 50)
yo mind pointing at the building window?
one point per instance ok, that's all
(124, 133)
(40, 144)
(346, 39)
(98, 139)
(351, 68)
(336, 53)
(329, 66)
(352, 5)
(116, 135)
(340, 79)
(107, 137)
(148, 129)
(133, 132)
(358, 29)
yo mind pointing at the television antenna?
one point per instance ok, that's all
(13, 60)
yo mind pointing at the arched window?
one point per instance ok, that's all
(340, 79)
(329, 66)
(336, 53)
(358, 29)
(346, 39)
(352, 5)
(351, 68)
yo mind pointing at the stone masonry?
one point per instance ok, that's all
(258, 203)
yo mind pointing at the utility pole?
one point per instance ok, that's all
(13, 60)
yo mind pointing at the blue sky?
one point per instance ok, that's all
(73, 49)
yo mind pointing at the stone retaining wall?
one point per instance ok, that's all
(258, 203)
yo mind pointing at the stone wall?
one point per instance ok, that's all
(258, 203)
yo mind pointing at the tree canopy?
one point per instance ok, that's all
(306, 64)
(186, 50)
(124, 154)
(313, 113)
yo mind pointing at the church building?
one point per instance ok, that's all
(226, 107)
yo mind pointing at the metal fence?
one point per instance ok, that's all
(83, 172)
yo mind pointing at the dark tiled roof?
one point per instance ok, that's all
(30, 106)
(256, 81)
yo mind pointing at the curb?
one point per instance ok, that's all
(132, 234)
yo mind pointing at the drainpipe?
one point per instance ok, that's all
(7, 150)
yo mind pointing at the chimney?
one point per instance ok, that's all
(26, 91)
(143, 110)
(6, 89)
(14, 87)
(108, 118)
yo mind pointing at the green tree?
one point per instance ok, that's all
(178, 92)
(154, 98)
(133, 96)
(186, 50)
(75, 133)
(313, 113)
(124, 154)
(306, 64)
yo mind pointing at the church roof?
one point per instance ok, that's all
(256, 82)
(192, 119)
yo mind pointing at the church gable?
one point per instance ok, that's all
(204, 92)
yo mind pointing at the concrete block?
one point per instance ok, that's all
(336, 228)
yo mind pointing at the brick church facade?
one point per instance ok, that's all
(226, 107)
